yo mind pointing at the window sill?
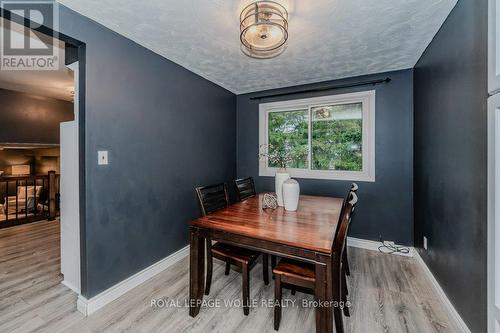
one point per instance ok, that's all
(325, 175)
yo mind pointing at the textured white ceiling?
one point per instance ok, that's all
(329, 39)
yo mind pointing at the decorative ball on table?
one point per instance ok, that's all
(269, 201)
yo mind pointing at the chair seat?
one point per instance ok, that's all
(234, 252)
(296, 269)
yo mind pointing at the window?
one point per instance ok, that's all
(330, 137)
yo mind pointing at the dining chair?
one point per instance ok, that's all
(303, 275)
(213, 198)
(354, 188)
(345, 261)
(245, 188)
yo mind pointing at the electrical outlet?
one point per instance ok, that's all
(425, 243)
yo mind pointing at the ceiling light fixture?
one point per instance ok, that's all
(263, 29)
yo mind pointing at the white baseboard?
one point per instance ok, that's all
(442, 295)
(89, 306)
(374, 245)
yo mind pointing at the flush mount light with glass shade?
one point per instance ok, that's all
(263, 29)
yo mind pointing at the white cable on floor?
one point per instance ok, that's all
(389, 248)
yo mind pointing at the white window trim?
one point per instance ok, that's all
(365, 97)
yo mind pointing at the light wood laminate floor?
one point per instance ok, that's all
(389, 294)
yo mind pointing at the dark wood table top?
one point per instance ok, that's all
(311, 227)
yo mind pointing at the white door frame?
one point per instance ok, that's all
(493, 214)
(70, 195)
(493, 233)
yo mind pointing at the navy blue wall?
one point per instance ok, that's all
(387, 211)
(167, 131)
(27, 118)
(451, 159)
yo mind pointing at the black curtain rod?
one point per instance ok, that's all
(357, 84)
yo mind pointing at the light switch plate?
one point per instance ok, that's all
(102, 157)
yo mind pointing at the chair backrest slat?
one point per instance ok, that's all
(245, 188)
(354, 188)
(344, 221)
(212, 198)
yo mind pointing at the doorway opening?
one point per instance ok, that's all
(41, 168)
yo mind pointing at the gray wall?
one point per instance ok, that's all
(167, 131)
(27, 118)
(387, 204)
(451, 159)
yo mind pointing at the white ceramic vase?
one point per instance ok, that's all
(279, 179)
(291, 193)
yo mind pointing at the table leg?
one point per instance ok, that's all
(196, 272)
(323, 295)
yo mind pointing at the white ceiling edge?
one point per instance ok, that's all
(327, 80)
(430, 20)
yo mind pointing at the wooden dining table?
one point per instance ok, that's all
(306, 235)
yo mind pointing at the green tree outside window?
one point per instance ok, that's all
(336, 138)
(289, 136)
